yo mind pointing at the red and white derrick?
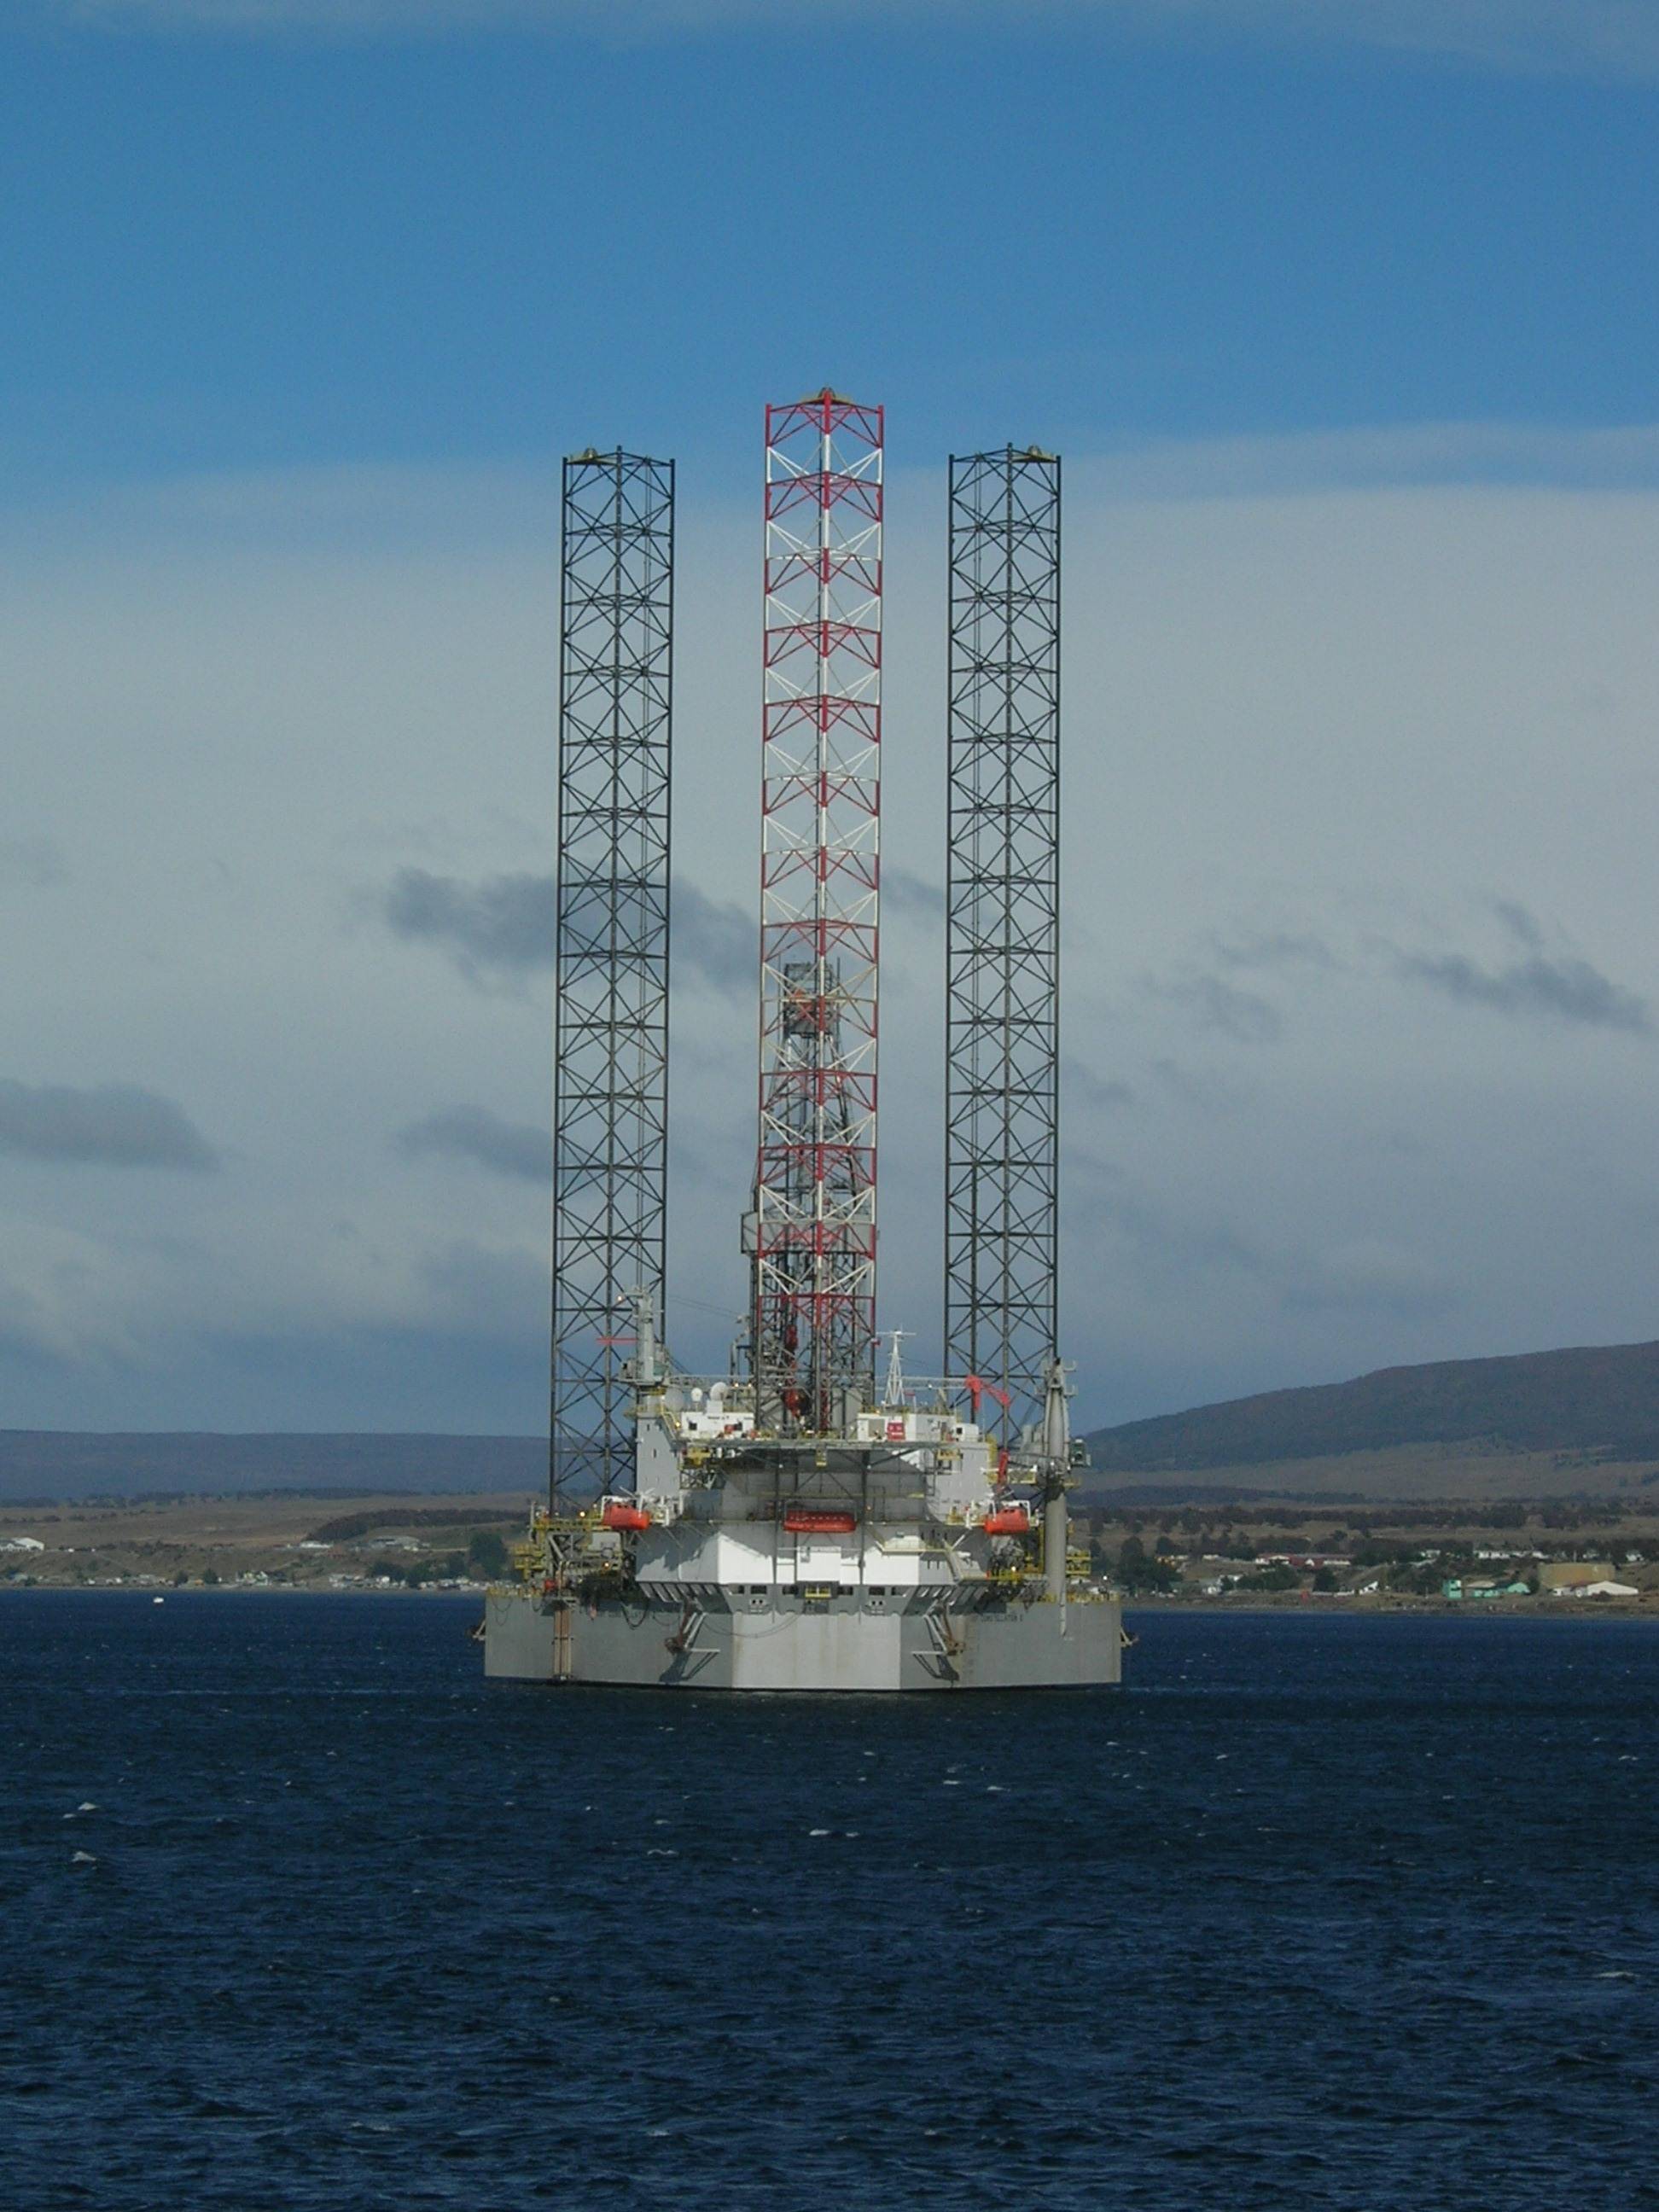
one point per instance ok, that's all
(812, 1233)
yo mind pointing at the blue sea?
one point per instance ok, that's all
(1324, 1911)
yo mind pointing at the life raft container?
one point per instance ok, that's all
(807, 1521)
(1008, 1520)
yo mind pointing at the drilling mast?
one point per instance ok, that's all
(610, 954)
(812, 1233)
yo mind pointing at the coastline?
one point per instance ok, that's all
(1464, 1609)
(1619, 1613)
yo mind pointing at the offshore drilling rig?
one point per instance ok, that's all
(801, 1523)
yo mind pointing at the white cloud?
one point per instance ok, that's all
(1601, 37)
(1429, 453)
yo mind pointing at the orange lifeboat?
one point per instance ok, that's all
(808, 1520)
(632, 1518)
(1008, 1520)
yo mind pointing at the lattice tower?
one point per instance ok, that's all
(1002, 929)
(610, 1018)
(811, 1235)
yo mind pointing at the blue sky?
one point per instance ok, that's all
(1343, 315)
(289, 248)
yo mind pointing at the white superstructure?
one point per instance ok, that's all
(905, 1552)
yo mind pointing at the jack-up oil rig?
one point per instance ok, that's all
(802, 1523)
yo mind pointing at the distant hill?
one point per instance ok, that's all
(53, 1464)
(1576, 1420)
(1541, 1423)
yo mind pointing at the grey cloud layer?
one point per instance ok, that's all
(36, 862)
(1373, 1275)
(905, 893)
(717, 943)
(1082, 1086)
(473, 1133)
(1559, 987)
(115, 1125)
(503, 927)
(1330, 1202)
(1279, 949)
(1561, 990)
(1244, 1016)
(1535, 981)
(1601, 37)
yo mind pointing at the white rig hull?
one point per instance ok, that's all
(773, 1640)
(903, 1551)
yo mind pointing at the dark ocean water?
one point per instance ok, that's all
(1322, 1911)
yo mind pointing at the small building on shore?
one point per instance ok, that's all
(1558, 1576)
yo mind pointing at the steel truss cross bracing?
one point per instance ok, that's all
(611, 1009)
(1002, 929)
(811, 1235)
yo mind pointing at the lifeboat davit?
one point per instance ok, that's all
(1008, 1520)
(809, 1521)
(632, 1518)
